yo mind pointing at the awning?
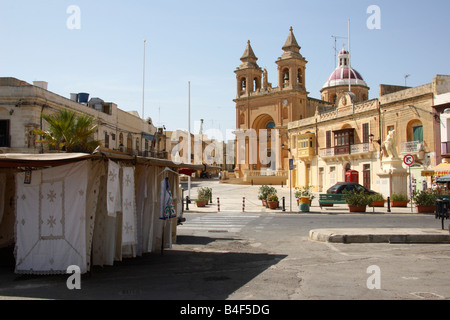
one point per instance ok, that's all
(440, 170)
(443, 179)
(186, 171)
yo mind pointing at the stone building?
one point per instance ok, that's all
(350, 135)
(261, 107)
(344, 132)
(22, 104)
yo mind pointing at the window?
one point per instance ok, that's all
(4, 134)
(106, 140)
(328, 139)
(418, 133)
(332, 175)
(270, 125)
(365, 133)
(300, 76)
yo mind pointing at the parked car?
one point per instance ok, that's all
(349, 186)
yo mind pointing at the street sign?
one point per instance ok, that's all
(291, 164)
(408, 160)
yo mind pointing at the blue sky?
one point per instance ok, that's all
(202, 42)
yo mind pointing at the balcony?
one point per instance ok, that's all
(360, 151)
(305, 146)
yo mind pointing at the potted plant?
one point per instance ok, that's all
(203, 196)
(264, 192)
(357, 201)
(399, 200)
(272, 201)
(376, 200)
(304, 192)
(425, 201)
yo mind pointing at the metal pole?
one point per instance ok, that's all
(143, 84)
(389, 204)
(284, 205)
(349, 60)
(410, 189)
(290, 190)
(189, 136)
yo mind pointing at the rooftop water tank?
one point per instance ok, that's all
(83, 97)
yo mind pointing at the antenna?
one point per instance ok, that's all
(406, 77)
(335, 48)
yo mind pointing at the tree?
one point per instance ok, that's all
(69, 132)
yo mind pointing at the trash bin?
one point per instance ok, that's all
(304, 204)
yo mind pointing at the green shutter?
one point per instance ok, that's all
(418, 133)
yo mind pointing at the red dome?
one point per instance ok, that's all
(340, 76)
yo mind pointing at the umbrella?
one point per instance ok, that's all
(443, 179)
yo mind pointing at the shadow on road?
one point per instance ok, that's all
(178, 274)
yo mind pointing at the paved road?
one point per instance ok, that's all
(263, 255)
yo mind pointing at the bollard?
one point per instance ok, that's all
(187, 203)
(389, 204)
(218, 205)
(243, 204)
(182, 201)
(284, 204)
(210, 198)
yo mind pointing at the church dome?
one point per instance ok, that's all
(344, 73)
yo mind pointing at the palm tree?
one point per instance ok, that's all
(69, 132)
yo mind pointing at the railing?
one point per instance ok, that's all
(411, 147)
(347, 149)
(266, 173)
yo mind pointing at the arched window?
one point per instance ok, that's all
(285, 78)
(256, 84)
(299, 76)
(270, 125)
(243, 84)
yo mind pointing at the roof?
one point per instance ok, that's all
(22, 160)
(340, 77)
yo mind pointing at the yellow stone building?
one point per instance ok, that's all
(343, 131)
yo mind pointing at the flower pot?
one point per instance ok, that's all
(353, 208)
(399, 204)
(379, 203)
(272, 204)
(264, 203)
(201, 203)
(425, 209)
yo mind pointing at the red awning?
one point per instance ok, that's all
(186, 171)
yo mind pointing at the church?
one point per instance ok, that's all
(340, 137)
